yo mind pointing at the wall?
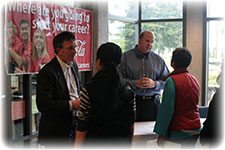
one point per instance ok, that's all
(100, 27)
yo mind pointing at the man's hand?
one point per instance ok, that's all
(76, 103)
(145, 83)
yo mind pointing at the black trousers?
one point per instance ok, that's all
(147, 108)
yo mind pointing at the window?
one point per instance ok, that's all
(214, 8)
(168, 27)
(159, 9)
(124, 8)
(123, 17)
(215, 28)
(168, 36)
(122, 33)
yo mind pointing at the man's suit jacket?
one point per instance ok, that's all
(56, 121)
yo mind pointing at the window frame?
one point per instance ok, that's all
(206, 21)
(139, 21)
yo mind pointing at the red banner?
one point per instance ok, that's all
(31, 27)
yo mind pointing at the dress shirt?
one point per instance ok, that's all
(136, 65)
(70, 80)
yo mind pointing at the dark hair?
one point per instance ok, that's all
(110, 56)
(181, 57)
(24, 21)
(60, 38)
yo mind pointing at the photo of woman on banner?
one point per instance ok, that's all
(39, 54)
(16, 61)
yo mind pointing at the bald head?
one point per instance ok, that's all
(145, 42)
(145, 32)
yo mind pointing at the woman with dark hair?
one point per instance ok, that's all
(107, 113)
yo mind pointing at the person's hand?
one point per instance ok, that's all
(76, 103)
(145, 83)
(17, 70)
(160, 141)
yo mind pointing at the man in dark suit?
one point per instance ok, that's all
(58, 87)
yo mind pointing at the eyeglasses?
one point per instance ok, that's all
(69, 48)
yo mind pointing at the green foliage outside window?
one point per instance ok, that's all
(168, 35)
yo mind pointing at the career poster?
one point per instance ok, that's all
(29, 31)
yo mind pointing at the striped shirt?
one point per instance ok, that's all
(84, 110)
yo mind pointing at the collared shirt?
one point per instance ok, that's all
(166, 114)
(70, 79)
(136, 65)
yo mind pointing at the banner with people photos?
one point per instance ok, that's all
(29, 31)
